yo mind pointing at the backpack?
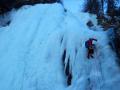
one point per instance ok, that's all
(86, 44)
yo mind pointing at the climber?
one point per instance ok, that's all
(90, 47)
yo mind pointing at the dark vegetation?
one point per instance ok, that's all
(92, 6)
(7, 5)
(97, 7)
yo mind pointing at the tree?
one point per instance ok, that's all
(111, 7)
(102, 5)
(92, 6)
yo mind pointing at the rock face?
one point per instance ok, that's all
(112, 22)
(117, 36)
(7, 5)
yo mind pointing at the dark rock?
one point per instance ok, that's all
(117, 35)
(67, 69)
(117, 41)
(90, 24)
(69, 80)
(63, 57)
(68, 73)
(8, 22)
(5, 20)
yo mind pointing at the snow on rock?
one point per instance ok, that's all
(31, 50)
